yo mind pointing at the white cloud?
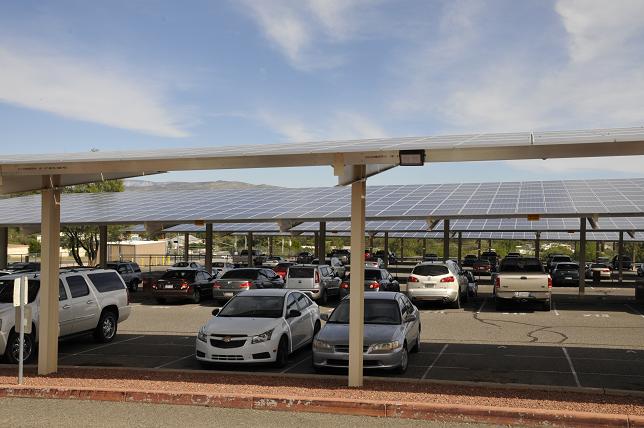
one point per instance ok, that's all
(74, 88)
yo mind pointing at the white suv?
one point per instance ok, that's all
(89, 300)
(438, 281)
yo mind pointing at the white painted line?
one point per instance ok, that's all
(634, 310)
(554, 308)
(481, 307)
(102, 346)
(572, 368)
(434, 362)
(296, 364)
(175, 361)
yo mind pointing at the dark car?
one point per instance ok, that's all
(482, 267)
(430, 257)
(626, 262)
(390, 257)
(23, 267)
(235, 281)
(553, 259)
(493, 258)
(468, 261)
(565, 274)
(305, 258)
(374, 280)
(183, 284)
(129, 271)
(342, 254)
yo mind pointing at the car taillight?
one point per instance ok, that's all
(246, 284)
(374, 285)
(448, 279)
(184, 285)
(605, 270)
(412, 279)
(216, 285)
(549, 282)
(317, 277)
(344, 285)
(497, 282)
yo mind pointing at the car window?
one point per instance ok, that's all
(122, 269)
(250, 274)
(180, 274)
(291, 303)
(567, 266)
(303, 302)
(430, 270)
(372, 274)
(376, 311)
(62, 293)
(106, 281)
(253, 306)
(77, 286)
(300, 272)
(136, 267)
(401, 305)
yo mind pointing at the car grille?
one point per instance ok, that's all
(344, 349)
(228, 357)
(227, 344)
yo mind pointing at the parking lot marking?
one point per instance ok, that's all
(102, 346)
(481, 307)
(634, 310)
(555, 308)
(175, 361)
(572, 368)
(434, 362)
(303, 360)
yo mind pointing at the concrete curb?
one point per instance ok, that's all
(425, 411)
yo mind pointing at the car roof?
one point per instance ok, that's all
(435, 262)
(267, 292)
(381, 295)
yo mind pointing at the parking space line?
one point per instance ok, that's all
(572, 368)
(634, 310)
(295, 365)
(554, 308)
(175, 361)
(482, 305)
(103, 346)
(435, 361)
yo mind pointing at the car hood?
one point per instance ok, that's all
(234, 325)
(338, 334)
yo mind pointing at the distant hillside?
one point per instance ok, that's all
(144, 185)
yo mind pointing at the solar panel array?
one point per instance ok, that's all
(620, 197)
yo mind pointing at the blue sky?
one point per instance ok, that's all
(78, 75)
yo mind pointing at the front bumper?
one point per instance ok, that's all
(434, 294)
(370, 361)
(263, 352)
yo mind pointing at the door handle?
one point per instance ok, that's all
(89, 302)
(67, 306)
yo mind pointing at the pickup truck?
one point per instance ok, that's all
(242, 258)
(522, 280)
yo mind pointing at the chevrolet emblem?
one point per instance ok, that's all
(227, 339)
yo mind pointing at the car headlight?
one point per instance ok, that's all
(202, 335)
(262, 337)
(384, 347)
(322, 346)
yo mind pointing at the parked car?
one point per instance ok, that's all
(259, 326)
(512, 255)
(389, 256)
(273, 261)
(305, 257)
(482, 267)
(238, 280)
(374, 280)
(130, 272)
(472, 286)
(640, 270)
(342, 254)
(89, 300)
(16, 267)
(374, 262)
(565, 274)
(282, 268)
(430, 257)
(553, 259)
(522, 280)
(438, 281)
(241, 259)
(183, 284)
(602, 269)
(391, 331)
(316, 281)
(219, 268)
(468, 262)
(186, 265)
(626, 262)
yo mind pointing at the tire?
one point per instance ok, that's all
(457, 303)
(281, 359)
(416, 348)
(160, 300)
(12, 353)
(322, 300)
(404, 361)
(196, 296)
(133, 286)
(107, 326)
(465, 296)
(546, 306)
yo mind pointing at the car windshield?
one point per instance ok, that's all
(283, 265)
(598, 266)
(179, 274)
(567, 266)
(376, 311)
(254, 307)
(372, 274)
(241, 274)
(300, 272)
(430, 270)
(521, 265)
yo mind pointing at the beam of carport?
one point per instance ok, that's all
(322, 242)
(4, 245)
(620, 254)
(102, 246)
(582, 255)
(209, 248)
(446, 239)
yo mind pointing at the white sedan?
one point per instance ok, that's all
(259, 326)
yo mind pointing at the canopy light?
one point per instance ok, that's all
(412, 157)
(533, 217)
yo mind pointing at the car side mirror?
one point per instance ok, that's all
(215, 312)
(410, 318)
(294, 313)
(324, 317)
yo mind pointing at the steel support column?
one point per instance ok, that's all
(249, 240)
(478, 248)
(446, 239)
(322, 242)
(386, 249)
(489, 244)
(356, 305)
(4, 245)
(50, 262)
(316, 244)
(270, 246)
(597, 250)
(582, 255)
(620, 253)
(537, 245)
(186, 247)
(424, 246)
(209, 248)
(402, 249)
(102, 246)
(460, 247)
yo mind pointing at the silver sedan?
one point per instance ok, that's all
(391, 332)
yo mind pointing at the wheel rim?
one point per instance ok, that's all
(15, 349)
(108, 327)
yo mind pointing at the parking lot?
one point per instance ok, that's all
(595, 341)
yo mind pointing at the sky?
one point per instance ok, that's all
(123, 75)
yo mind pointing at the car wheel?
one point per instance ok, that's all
(12, 352)
(134, 286)
(546, 306)
(282, 353)
(196, 296)
(404, 360)
(323, 297)
(106, 329)
(160, 300)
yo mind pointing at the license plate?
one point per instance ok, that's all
(429, 285)
(568, 277)
(169, 286)
(228, 294)
(522, 294)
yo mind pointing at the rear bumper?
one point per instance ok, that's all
(172, 294)
(432, 294)
(541, 296)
